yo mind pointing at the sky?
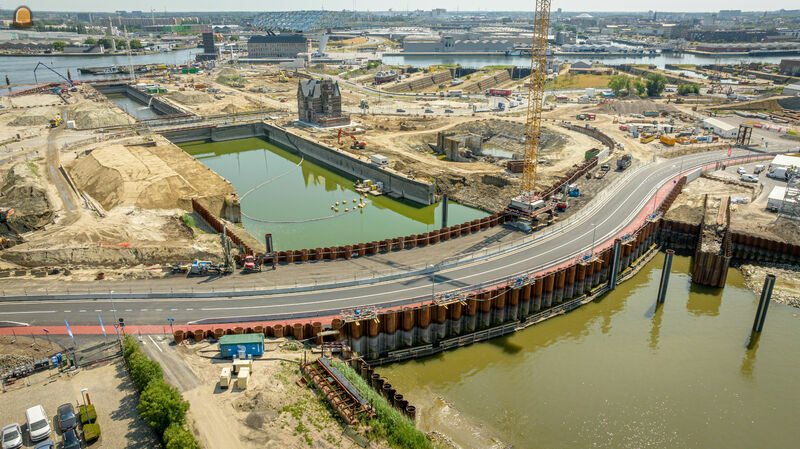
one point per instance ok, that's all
(464, 5)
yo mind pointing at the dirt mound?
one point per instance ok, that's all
(787, 230)
(191, 97)
(23, 191)
(231, 109)
(135, 176)
(34, 117)
(97, 116)
(228, 72)
(637, 106)
(686, 213)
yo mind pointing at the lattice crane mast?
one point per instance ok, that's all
(528, 201)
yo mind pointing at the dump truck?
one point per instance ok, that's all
(647, 138)
(624, 162)
(666, 140)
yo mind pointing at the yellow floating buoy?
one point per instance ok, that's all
(337, 203)
(331, 206)
(355, 201)
(337, 209)
(347, 210)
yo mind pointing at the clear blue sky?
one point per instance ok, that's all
(464, 5)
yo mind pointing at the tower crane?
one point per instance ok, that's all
(529, 200)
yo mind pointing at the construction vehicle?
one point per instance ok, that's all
(647, 138)
(529, 204)
(624, 162)
(56, 122)
(203, 268)
(282, 78)
(573, 190)
(249, 264)
(666, 140)
(357, 144)
(5, 214)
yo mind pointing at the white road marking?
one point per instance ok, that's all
(67, 311)
(82, 310)
(155, 344)
(129, 310)
(98, 310)
(172, 310)
(143, 310)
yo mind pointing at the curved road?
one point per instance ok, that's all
(602, 224)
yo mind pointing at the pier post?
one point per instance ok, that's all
(444, 211)
(763, 303)
(612, 280)
(662, 287)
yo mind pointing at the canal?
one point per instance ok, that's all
(614, 374)
(133, 107)
(295, 203)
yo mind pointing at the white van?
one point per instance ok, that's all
(749, 178)
(38, 426)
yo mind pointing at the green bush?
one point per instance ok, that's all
(144, 370)
(176, 437)
(87, 414)
(91, 432)
(161, 405)
(389, 423)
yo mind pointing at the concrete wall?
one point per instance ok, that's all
(157, 105)
(396, 183)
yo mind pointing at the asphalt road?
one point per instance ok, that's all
(603, 223)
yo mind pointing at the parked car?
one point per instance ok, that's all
(45, 445)
(448, 111)
(749, 178)
(741, 170)
(12, 436)
(429, 111)
(38, 427)
(66, 417)
(758, 169)
(401, 110)
(71, 440)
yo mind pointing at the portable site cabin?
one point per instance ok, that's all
(241, 345)
(225, 377)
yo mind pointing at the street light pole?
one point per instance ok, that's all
(433, 281)
(594, 231)
(114, 309)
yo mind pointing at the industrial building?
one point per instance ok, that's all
(449, 44)
(792, 89)
(790, 67)
(241, 345)
(319, 102)
(721, 128)
(276, 45)
(209, 49)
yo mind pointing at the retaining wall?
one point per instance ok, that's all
(396, 183)
(145, 98)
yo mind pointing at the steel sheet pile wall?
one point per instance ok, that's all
(384, 388)
(712, 268)
(429, 328)
(394, 244)
(217, 225)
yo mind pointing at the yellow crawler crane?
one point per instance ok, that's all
(529, 200)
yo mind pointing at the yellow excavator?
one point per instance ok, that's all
(56, 122)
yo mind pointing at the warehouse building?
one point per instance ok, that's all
(319, 102)
(721, 128)
(449, 44)
(276, 46)
(241, 345)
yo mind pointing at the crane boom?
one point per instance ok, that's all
(533, 125)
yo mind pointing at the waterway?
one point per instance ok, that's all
(131, 106)
(477, 61)
(614, 374)
(19, 69)
(308, 192)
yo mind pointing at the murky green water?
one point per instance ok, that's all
(307, 192)
(614, 375)
(132, 107)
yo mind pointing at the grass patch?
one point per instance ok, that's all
(189, 221)
(34, 168)
(231, 80)
(389, 424)
(578, 81)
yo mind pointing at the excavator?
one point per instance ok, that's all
(54, 123)
(357, 144)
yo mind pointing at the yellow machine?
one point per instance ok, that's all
(282, 78)
(647, 138)
(56, 121)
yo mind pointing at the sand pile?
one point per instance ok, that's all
(787, 230)
(191, 97)
(96, 116)
(228, 72)
(23, 191)
(231, 109)
(35, 117)
(690, 213)
(134, 176)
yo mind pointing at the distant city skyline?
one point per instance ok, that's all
(383, 5)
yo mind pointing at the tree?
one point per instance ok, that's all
(59, 45)
(685, 89)
(143, 370)
(176, 437)
(161, 405)
(640, 88)
(136, 44)
(90, 41)
(234, 37)
(656, 83)
(121, 43)
(618, 83)
(105, 42)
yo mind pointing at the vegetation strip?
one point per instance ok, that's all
(160, 405)
(389, 424)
